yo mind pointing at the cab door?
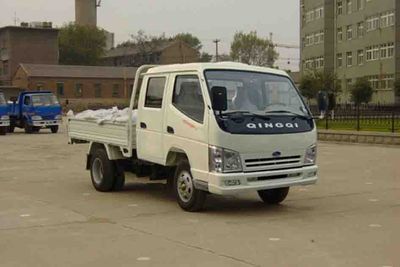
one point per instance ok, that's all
(150, 123)
(186, 118)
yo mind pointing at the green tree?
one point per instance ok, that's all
(205, 57)
(251, 49)
(81, 45)
(190, 39)
(308, 87)
(313, 82)
(362, 91)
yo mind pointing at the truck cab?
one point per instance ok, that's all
(33, 111)
(4, 117)
(220, 128)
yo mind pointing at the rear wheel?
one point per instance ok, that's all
(54, 129)
(274, 196)
(11, 129)
(35, 129)
(189, 198)
(104, 173)
(3, 130)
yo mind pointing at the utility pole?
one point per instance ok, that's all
(216, 41)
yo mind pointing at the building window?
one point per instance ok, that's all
(155, 92)
(309, 64)
(349, 32)
(115, 90)
(339, 58)
(5, 68)
(387, 19)
(349, 6)
(349, 59)
(374, 80)
(319, 62)
(78, 90)
(387, 81)
(360, 29)
(60, 89)
(372, 53)
(339, 34)
(372, 23)
(319, 13)
(387, 50)
(339, 9)
(40, 86)
(360, 57)
(97, 90)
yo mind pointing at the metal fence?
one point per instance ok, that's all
(385, 118)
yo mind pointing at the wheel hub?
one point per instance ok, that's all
(185, 186)
(97, 171)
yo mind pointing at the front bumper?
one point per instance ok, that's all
(46, 123)
(254, 181)
(5, 123)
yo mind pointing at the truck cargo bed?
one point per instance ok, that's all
(112, 133)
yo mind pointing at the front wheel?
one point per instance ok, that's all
(274, 196)
(28, 128)
(54, 129)
(189, 198)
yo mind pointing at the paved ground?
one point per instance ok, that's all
(51, 216)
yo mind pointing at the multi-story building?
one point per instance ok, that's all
(354, 39)
(31, 43)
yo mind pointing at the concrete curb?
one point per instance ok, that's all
(359, 137)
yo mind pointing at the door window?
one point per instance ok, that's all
(27, 101)
(188, 97)
(155, 92)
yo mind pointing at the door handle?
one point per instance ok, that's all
(170, 130)
(143, 125)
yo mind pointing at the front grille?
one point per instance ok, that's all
(271, 163)
(48, 117)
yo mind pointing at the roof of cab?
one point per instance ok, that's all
(200, 67)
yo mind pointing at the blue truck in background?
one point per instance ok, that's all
(33, 111)
(4, 117)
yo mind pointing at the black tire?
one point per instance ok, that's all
(3, 130)
(54, 129)
(102, 171)
(35, 129)
(11, 129)
(119, 178)
(192, 199)
(28, 128)
(274, 196)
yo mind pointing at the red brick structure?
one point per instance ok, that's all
(76, 82)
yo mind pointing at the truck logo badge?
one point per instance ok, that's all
(276, 154)
(278, 125)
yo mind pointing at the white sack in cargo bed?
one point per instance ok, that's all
(105, 115)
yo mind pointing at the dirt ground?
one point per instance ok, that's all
(50, 215)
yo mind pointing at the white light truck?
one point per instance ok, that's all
(220, 128)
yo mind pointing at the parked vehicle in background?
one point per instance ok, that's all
(221, 128)
(4, 117)
(33, 111)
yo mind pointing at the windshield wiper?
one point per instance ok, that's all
(289, 112)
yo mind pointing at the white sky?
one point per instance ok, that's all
(207, 19)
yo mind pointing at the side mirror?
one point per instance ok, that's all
(13, 99)
(219, 98)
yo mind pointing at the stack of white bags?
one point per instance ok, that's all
(113, 115)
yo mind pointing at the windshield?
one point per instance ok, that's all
(256, 92)
(44, 100)
(2, 100)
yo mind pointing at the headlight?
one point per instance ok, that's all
(224, 160)
(311, 155)
(36, 118)
(58, 117)
(5, 118)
